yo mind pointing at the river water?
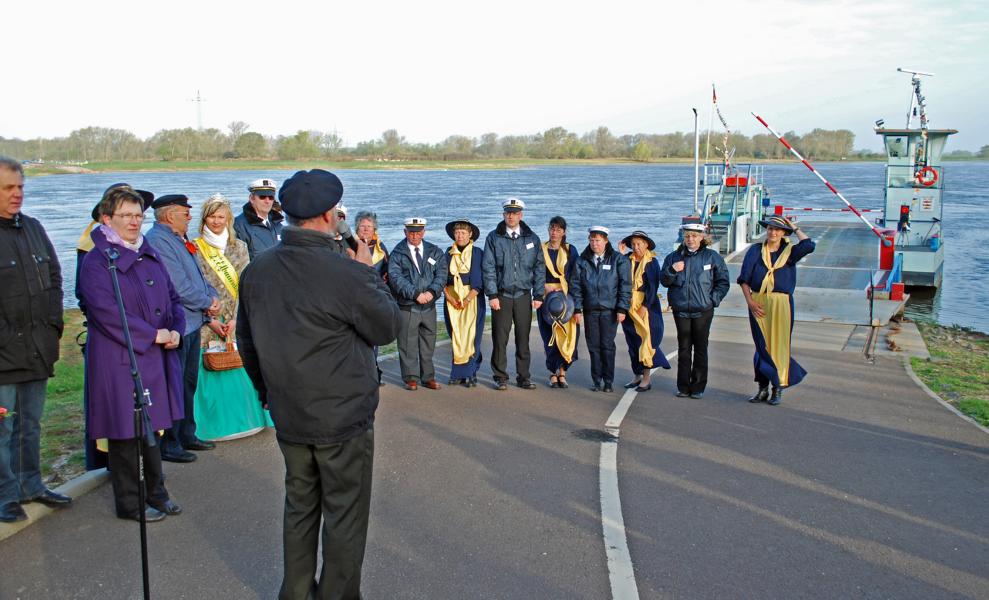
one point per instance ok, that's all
(622, 197)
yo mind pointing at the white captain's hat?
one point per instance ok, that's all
(415, 223)
(699, 228)
(598, 229)
(263, 187)
(342, 209)
(513, 205)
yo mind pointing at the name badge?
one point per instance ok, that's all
(278, 237)
(606, 267)
(530, 246)
(707, 267)
(431, 260)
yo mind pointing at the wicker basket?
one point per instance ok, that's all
(227, 360)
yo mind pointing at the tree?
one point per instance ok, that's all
(251, 145)
(642, 151)
(983, 152)
(237, 129)
(393, 142)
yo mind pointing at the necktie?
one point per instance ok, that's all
(597, 262)
(515, 235)
(418, 260)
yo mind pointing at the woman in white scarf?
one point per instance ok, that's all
(226, 403)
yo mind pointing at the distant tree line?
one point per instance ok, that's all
(101, 144)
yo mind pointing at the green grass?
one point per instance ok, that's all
(958, 369)
(62, 425)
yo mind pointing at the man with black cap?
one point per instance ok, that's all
(31, 322)
(259, 225)
(200, 301)
(308, 319)
(514, 278)
(417, 275)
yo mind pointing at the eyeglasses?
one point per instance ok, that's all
(130, 216)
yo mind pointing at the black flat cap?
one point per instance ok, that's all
(310, 193)
(171, 200)
(146, 198)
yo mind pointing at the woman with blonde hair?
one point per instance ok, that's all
(227, 405)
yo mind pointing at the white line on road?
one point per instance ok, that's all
(621, 573)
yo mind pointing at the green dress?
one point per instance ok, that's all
(226, 405)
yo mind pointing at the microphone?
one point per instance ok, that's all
(344, 230)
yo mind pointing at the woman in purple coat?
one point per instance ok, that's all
(155, 318)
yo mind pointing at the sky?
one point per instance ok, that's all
(435, 68)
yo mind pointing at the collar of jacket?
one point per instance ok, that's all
(298, 236)
(252, 215)
(403, 248)
(524, 230)
(127, 257)
(588, 254)
(16, 223)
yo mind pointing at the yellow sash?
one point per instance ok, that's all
(85, 242)
(565, 335)
(775, 323)
(220, 265)
(377, 252)
(646, 351)
(463, 321)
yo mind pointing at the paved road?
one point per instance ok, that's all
(857, 486)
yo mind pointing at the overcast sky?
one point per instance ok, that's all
(435, 68)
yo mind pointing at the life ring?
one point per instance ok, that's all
(927, 176)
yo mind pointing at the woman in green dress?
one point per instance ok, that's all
(226, 405)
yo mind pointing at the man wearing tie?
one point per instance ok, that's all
(416, 275)
(514, 278)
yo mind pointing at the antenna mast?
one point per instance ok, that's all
(199, 109)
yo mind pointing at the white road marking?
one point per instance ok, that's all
(621, 572)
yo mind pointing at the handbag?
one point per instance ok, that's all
(226, 360)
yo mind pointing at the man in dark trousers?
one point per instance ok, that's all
(308, 319)
(514, 281)
(417, 272)
(30, 327)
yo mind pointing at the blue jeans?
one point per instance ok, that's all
(20, 441)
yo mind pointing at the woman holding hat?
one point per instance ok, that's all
(771, 268)
(644, 327)
(226, 404)
(560, 335)
(463, 314)
(698, 280)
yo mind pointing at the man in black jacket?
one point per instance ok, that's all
(307, 321)
(698, 280)
(260, 224)
(30, 327)
(417, 273)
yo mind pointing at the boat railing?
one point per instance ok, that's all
(905, 176)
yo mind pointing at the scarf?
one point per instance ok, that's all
(564, 334)
(463, 321)
(217, 240)
(378, 253)
(769, 281)
(219, 264)
(646, 351)
(113, 238)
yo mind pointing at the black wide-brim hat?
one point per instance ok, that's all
(640, 234)
(559, 308)
(778, 222)
(146, 199)
(475, 232)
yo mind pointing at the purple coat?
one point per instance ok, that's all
(151, 303)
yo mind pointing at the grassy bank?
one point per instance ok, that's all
(958, 369)
(62, 426)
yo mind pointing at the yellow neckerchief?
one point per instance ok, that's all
(646, 351)
(220, 265)
(769, 281)
(564, 335)
(85, 243)
(776, 322)
(377, 252)
(463, 321)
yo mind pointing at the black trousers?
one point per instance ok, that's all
(184, 432)
(122, 458)
(331, 483)
(600, 327)
(517, 312)
(692, 336)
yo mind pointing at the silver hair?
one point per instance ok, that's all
(366, 214)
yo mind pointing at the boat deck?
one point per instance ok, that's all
(831, 282)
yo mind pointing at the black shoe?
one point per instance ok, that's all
(501, 385)
(472, 382)
(596, 387)
(696, 395)
(644, 389)
(761, 396)
(633, 384)
(12, 513)
(180, 456)
(607, 389)
(777, 397)
(50, 499)
(682, 394)
(151, 515)
(169, 508)
(198, 445)
(525, 384)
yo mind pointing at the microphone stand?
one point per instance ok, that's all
(143, 433)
